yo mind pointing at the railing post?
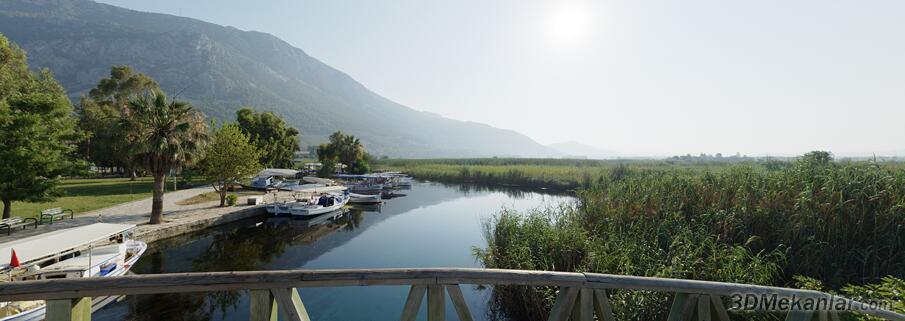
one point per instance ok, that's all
(682, 307)
(290, 304)
(263, 306)
(602, 306)
(799, 315)
(413, 303)
(68, 310)
(717, 304)
(563, 306)
(458, 300)
(704, 308)
(436, 303)
(584, 310)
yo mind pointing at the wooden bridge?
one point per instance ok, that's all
(581, 296)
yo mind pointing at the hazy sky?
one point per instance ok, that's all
(636, 77)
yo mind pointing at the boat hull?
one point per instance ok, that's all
(364, 199)
(310, 210)
(37, 314)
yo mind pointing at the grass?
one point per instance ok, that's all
(83, 195)
(841, 224)
(214, 196)
(549, 174)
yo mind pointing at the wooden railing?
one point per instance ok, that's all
(581, 296)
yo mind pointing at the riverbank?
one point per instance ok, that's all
(179, 217)
(196, 221)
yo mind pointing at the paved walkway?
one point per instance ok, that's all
(139, 212)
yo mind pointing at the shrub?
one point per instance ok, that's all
(232, 199)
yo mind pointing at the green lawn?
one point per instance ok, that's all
(82, 195)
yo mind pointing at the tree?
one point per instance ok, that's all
(277, 141)
(36, 131)
(161, 136)
(229, 158)
(103, 108)
(327, 157)
(345, 149)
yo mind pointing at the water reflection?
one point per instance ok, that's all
(177, 306)
(513, 192)
(435, 225)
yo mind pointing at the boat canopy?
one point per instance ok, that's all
(41, 247)
(363, 176)
(97, 256)
(317, 180)
(278, 172)
(315, 188)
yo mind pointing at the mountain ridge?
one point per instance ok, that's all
(220, 69)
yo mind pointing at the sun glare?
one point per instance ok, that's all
(568, 23)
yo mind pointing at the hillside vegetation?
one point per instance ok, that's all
(221, 69)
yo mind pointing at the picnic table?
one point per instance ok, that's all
(56, 212)
(15, 222)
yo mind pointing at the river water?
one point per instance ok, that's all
(434, 225)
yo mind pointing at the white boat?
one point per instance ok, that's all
(269, 177)
(318, 180)
(326, 203)
(364, 198)
(404, 181)
(77, 252)
(283, 208)
(365, 187)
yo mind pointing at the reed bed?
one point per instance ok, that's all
(841, 224)
(554, 174)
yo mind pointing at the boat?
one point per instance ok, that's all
(305, 197)
(366, 183)
(281, 208)
(96, 250)
(318, 180)
(404, 181)
(365, 187)
(325, 203)
(364, 198)
(269, 177)
(390, 195)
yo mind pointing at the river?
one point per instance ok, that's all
(434, 225)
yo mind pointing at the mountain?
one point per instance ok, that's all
(220, 69)
(575, 149)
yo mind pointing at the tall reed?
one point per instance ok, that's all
(839, 223)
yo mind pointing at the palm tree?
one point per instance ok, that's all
(350, 150)
(163, 136)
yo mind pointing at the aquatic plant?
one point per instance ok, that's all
(840, 223)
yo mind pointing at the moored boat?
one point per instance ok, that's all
(96, 250)
(325, 204)
(281, 208)
(364, 198)
(365, 187)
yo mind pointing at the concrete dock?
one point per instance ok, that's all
(178, 219)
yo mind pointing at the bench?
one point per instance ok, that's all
(56, 212)
(13, 222)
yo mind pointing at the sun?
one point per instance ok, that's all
(568, 23)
